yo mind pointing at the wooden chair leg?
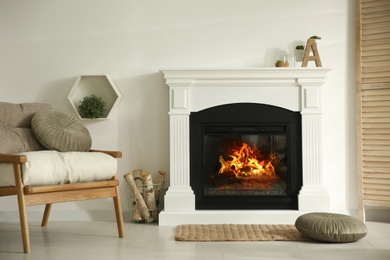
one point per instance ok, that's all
(24, 224)
(46, 215)
(118, 214)
(22, 209)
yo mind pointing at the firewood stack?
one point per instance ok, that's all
(144, 195)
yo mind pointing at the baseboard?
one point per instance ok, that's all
(64, 215)
(376, 214)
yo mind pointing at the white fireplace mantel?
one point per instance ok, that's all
(192, 90)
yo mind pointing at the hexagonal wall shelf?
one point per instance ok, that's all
(100, 85)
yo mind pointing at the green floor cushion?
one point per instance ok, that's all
(58, 131)
(331, 227)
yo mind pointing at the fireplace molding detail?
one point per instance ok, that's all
(192, 90)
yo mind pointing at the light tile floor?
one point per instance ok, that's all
(98, 240)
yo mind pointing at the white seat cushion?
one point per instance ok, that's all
(50, 167)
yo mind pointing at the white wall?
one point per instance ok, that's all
(45, 45)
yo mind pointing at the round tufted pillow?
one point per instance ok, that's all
(331, 227)
(58, 131)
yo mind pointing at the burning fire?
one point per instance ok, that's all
(247, 162)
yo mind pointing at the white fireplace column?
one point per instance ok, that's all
(312, 195)
(296, 89)
(179, 195)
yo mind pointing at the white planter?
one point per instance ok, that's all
(298, 55)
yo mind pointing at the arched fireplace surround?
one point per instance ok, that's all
(247, 138)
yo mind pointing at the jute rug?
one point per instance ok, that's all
(238, 232)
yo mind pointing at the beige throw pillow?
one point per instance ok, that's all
(59, 131)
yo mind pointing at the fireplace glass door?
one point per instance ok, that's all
(245, 156)
(245, 161)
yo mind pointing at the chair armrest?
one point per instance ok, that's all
(115, 154)
(12, 158)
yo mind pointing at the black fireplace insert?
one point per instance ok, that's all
(245, 156)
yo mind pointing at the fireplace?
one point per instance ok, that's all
(192, 92)
(245, 156)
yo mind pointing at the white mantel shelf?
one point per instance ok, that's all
(192, 90)
(245, 71)
(251, 76)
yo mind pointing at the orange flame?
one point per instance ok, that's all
(247, 162)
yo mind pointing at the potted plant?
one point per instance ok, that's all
(316, 38)
(281, 63)
(92, 107)
(298, 53)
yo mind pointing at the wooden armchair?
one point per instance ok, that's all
(20, 172)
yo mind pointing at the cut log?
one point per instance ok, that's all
(138, 179)
(149, 195)
(135, 213)
(159, 186)
(139, 200)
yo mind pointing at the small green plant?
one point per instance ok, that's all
(281, 63)
(92, 107)
(315, 37)
(299, 47)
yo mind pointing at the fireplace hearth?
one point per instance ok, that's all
(193, 92)
(245, 156)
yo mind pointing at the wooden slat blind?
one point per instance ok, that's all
(373, 102)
